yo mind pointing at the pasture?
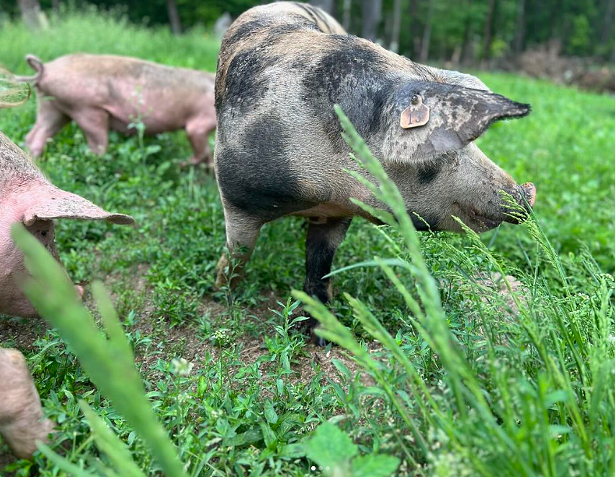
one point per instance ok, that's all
(540, 358)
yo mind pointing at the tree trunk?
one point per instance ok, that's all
(426, 34)
(415, 28)
(608, 22)
(488, 35)
(466, 55)
(32, 14)
(372, 14)
(456, 56)
(557, 19)
(174, 20)
(396, 26)
(326, 5)
(520, 28)
(346, 17)
(55, 4)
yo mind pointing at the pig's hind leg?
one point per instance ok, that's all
(324, 236)
(49, 121)
(198, 131)
(95, 125)
(241, 233)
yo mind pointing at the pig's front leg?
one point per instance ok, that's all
(21, 414)
(241, 233)
(95, 125)
(323, 238)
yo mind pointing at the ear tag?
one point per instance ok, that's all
(415, 115)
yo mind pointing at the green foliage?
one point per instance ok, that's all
(580, 38)
(562, 149)
(336, 455)
(107, 442)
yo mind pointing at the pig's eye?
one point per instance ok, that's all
(415, 99)
(43, 233)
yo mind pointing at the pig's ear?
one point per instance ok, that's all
(49, 203)
(437, 118)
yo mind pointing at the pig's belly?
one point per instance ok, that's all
(121, 122)
(117, 124)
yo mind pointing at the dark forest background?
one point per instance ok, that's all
(469, 32)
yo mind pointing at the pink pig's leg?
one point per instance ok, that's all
(49, 121)
(95, 126)
(21, 414)
(198, 131)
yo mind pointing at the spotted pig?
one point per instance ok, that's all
(281, 69)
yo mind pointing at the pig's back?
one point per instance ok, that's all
(98, 78)
(16, 168)
(259, 32)
(164, 97)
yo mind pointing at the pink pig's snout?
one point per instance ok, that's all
(529, 189)
(525, 196)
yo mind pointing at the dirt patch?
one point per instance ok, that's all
(323, 358)
(187, 340)
(184, 341)
(21, 333)
(6, 459)
(190, 343)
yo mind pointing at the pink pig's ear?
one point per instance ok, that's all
(49, 203)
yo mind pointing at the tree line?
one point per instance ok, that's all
(461, 31)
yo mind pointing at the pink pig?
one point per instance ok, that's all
(104, 91)
(21, 415)
(26, 196)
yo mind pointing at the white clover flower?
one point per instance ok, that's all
(181, 367)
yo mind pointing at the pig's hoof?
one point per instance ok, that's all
(222, 271)
(194, 162)
(221, 281)
(225, 277)
(319, 340)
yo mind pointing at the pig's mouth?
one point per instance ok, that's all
(479, 221)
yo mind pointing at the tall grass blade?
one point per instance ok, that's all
(107, 361)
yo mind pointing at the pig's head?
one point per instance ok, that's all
(27, 197)
(430, 154)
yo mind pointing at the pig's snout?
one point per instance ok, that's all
(529, 190)
(525, 196)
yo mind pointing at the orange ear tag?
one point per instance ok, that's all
(415, 115)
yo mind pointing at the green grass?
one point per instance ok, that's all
(246, 359)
